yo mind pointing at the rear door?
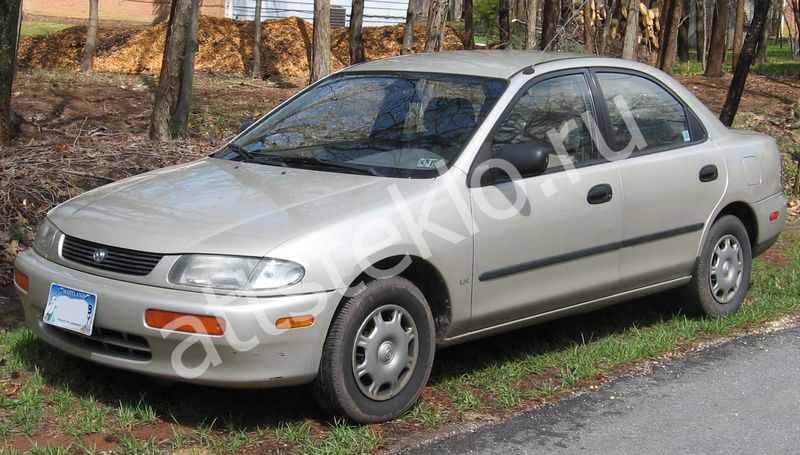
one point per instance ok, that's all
(672, 176)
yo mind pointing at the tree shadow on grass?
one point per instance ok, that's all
(246, 409)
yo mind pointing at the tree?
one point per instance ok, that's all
(321, 46)
(701, 38)
(611, 8)
(91, 39)
(550, 18)
(181, 118)
(761, 48)
(503, 23)
(631, 31)
(669, 40)
(530, 24)
(717, 45)
(469, 25)
(172, 75)
(683, 33)
(588, 34)
(356, 21)
(257, 42)
(742, 68)
(10, 19)
(437, 15)
(738, 30)
(408, 33)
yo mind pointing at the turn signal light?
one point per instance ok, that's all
(22, 280)
(182, 322)
(294, 322)
(774, 216)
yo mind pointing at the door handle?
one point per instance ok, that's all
(708, 173)
(599, 194)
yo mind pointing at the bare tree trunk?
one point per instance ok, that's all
(669, 41)
(763, 43)
(742, 68)
(503, 24)
(717, 46)
(181, 118)
(631, 31)
(469, 26)
(169, 81)
(321, 47)
(10, 19)
(257, 42)
(356, 21)
(550, 18)
(701, 38)
(611, 7)
(588, 34)
(738, 30)
(530, 24)
(91, 39)
(408, 33)
(683, 32)
(437, 15)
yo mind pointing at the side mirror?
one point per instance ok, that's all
(528, 159)
(245, 125)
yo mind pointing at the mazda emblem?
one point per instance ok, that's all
(99, 255)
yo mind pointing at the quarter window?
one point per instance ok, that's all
(657, 115)
(551, 113)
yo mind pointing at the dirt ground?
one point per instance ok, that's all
(80, 131)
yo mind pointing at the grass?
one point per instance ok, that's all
(779, 63)
(35, 27)
(486, 377)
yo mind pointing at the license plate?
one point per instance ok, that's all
(70, 309)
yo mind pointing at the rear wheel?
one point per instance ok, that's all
(378, 354)
(721, 276)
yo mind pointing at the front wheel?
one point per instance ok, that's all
(721, 276)
(378, 354)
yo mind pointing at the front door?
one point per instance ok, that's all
(552, 240)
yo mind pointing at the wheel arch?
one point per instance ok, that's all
(745, 214)
(422, 274)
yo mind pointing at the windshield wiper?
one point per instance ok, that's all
(316, 162)
(247, 157)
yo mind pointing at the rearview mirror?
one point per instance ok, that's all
(526, 159)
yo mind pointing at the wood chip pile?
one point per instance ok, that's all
(226, 46)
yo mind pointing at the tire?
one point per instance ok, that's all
(721, 276)
(391, 369)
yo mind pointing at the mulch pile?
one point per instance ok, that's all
(226, 46)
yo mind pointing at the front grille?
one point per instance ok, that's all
(119, 260)
(105, 341)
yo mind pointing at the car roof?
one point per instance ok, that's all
(489, 63)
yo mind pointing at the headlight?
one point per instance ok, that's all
(45, 236)
(234, 273)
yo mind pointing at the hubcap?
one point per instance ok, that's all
(726, 267)
(385, 352)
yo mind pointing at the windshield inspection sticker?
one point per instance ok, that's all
(686, 136)
(427, 163)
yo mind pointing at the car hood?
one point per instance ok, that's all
(220, 207)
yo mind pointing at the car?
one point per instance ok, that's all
(403, 205)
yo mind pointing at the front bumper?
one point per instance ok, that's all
(251, 353)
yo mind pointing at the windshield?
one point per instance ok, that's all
(398, 125)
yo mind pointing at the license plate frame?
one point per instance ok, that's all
(71, 309)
